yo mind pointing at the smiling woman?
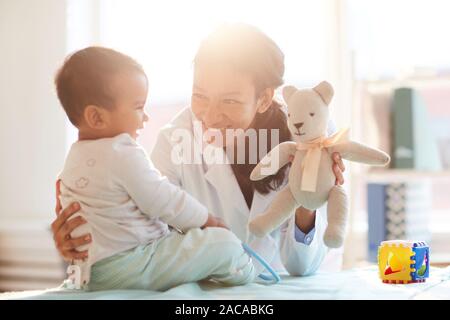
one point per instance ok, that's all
(236, 71)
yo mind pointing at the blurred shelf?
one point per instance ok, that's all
(426, 80)
(398, 175)
(439, 259)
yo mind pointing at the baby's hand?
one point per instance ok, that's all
(214, 222)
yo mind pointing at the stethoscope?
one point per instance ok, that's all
(275, 278)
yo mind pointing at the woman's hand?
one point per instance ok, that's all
(338, 168)
(62, 228)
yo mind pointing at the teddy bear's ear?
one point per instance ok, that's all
(325, 91)
(288, 91)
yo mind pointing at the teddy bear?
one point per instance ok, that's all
(311, 181)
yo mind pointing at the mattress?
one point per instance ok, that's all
(359, 283)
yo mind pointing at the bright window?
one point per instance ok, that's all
(164, 36)
(391, 38)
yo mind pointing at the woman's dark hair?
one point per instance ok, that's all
(246, 49)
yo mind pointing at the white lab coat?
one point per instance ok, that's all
(216, 187)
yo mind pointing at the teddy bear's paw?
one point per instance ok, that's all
(381, 159)
(254, 176)
(332, 240)
(387, 159)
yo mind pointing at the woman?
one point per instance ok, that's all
(236, 71)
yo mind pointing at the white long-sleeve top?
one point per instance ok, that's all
(125, 200)
(217, 188)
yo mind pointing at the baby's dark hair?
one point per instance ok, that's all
(86, 76)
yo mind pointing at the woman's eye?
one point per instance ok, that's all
(312, 114)
(199, 96)
(231, 101)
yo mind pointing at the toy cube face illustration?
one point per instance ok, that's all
(422, 262)
(403, 261)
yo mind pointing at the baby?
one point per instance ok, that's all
(126, 202)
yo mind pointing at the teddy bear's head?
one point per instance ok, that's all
(308, 111)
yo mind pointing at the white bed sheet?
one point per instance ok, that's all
(351, 284)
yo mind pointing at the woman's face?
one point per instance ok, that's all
(223, 98)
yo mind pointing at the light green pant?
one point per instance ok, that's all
(214, 253)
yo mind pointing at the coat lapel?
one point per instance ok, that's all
(220, 176)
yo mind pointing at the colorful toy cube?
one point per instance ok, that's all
(403, 261)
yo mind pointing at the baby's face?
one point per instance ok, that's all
(129, 115)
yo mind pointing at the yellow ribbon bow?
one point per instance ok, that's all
(311, 162)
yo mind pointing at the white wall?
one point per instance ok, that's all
(32, 124)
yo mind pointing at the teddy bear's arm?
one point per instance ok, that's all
(273, 161)
(358, 152)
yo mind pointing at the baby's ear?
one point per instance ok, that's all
(95, 117)
(288, 91)
(325, 91)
